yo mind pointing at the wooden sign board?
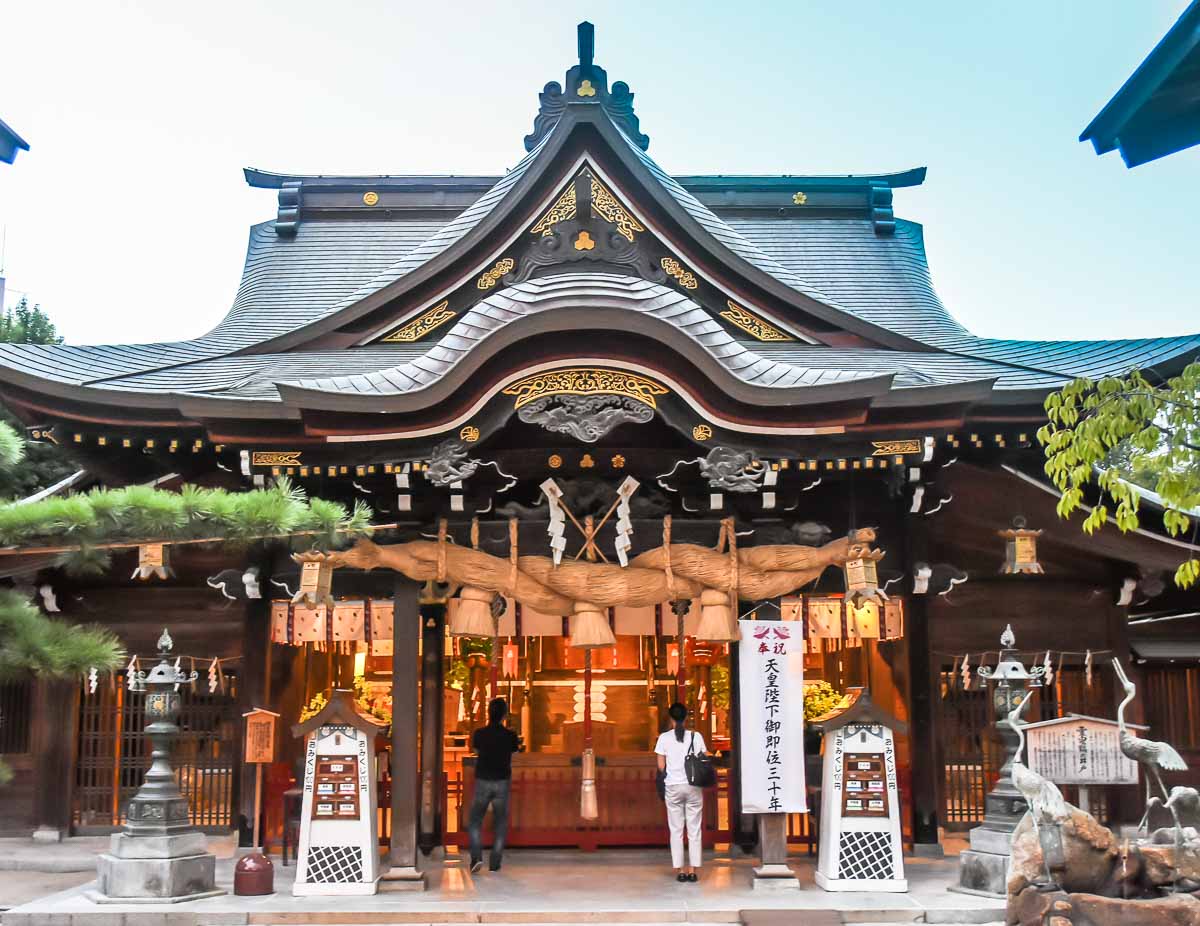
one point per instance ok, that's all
(260, 736)
(1077, 750)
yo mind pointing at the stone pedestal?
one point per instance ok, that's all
(773, 874)
(402, 878)
(155, 869)
(983, 869)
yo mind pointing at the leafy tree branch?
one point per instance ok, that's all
(1115, 432)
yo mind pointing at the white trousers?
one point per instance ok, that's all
(685, 803)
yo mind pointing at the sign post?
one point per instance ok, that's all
(1081, 751)
(259, 749)
(771, 714)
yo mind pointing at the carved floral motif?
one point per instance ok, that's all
(682, 275)
(585, 381)
(492, 277)
(422, 325)
(752, 324)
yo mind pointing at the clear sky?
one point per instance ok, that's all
(128, 219)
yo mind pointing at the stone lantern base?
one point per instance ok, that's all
(156, 869)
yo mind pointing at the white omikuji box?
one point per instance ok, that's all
(861, 848)
(339, 839)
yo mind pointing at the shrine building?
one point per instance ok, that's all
(588, 356)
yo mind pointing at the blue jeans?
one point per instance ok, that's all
(494, 793)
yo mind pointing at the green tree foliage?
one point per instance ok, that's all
(27, 325)
(1124, 430)
(138, 513)
(44, 464)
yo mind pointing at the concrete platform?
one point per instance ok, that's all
(545, 887)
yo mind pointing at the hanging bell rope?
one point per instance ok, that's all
(717, 620)
(470, 614)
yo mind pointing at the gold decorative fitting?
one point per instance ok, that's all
(799, 199)
(492, 277)
(275, 458)
(618, 461)
(610, 209)
(564, 208)
(470, 434)
(885, 448)
(370, 198)
(585, 381)
(585, 89)
(586, 461)
(555, 461)
(681, 275)
(421, 326)
(584, 242)
(702, 432)
(752, 324)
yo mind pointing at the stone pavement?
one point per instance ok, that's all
(546, 887)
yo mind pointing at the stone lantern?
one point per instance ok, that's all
(983, 869)
(159, 856)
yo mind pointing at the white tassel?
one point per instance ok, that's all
(131, 672)
(624, 521)
(93, 677)
(1048, 677)
(558, 519)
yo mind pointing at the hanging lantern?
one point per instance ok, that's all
(508, 662)
(590, 628)
(716, 617)
(470, 615)
(1020, 550)
(154, 560)
(893, 619)
(316, 578)
(862, 578)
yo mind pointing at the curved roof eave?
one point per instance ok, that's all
(480, 233)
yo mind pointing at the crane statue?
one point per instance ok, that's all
(1046, 803)
(1153, 756)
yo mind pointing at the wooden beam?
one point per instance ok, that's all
(922, 738)
(432, 701)
(406, 629)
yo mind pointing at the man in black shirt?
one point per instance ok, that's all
(494, 746)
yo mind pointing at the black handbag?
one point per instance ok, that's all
(700, 771)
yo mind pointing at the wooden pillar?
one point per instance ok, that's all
(921, 732)
(743, 831)
(252, 693)
(433, 638)
(406, 630)
(55, 730)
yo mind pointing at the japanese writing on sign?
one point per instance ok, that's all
(771, 678)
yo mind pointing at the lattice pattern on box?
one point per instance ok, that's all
(865, 856)
(335, 865)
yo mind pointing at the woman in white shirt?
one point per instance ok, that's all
(685, 802)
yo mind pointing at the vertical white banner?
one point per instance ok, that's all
(771, 695)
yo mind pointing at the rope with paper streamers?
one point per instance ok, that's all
(216, 675)
(550, 586)
(962, 662)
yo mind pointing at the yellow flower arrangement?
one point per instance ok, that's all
(365, 700)
(820, 699)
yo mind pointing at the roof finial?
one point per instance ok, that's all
(587, 45)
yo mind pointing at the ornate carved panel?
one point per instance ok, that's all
(422, 325)
(585, 381)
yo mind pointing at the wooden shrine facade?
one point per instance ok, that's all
(557, 361)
